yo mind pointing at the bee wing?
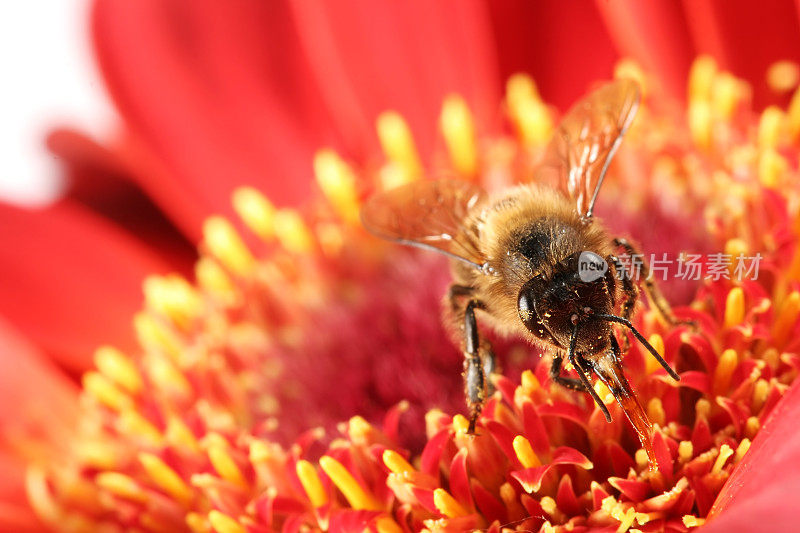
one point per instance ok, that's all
(584, 143)
(428, 214)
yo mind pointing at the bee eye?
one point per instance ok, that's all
(526, 305)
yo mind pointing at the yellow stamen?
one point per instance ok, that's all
(105, 392)
(528, 112)
(736, 247)
(311, 483)
(256, 211)
(396, 462)
(447, 505)
(459, 134)
(166, 478)
(172, 297)
(385, 524)
(702, 408)
(398, 143)
(346, 483)
(525, 453)
(117, 367)
(772, 166)
(603, 392)
(770, 127)
(655, 411)
(751, 427)
(701, 77)
(164, 374)
(794, 114)
(338, 183)
(178, 434)
(392, 176)
(734, 307)
(212, 278)
(760, 393)
(460, 424)
(223, 523)
(100, 455)
(292, 231)
(725, 367)
(359, 430)
(693, 521)
(628, 69)
(642, 461)
(724, 453)
(225, 466)
(650, 363)
(700, 123)
(549, 506)
(530, 382)
(786, 319)
(783, 76)
(132, 423)
(121, 486)
(685, 451)
(154, 336)
(224, 243)
(726, 93)
(197, 523)
(742, 449)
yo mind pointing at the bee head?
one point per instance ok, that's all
(578, 288)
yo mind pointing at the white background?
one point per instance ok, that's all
(48, 79)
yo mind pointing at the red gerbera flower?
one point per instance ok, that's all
(208, 419)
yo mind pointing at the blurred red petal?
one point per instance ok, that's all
(71, 281)
(746, 37)
(406, 56)
(36, 401)
(656, 35)
(203, 124)
(563, 45)
(98, 179)
(761, 490)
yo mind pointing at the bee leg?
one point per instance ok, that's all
(650, 286)
(569, 383)
(474, 377)
(489, 365)
(582, 374)
(630, 290)
(455, 292)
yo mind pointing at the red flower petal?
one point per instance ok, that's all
(70, 280)
(746, 37)
(656, 35)
(35, 401)
(99, 179)
(768, 477)
(203, 124)
(563, 45)
(369, 56)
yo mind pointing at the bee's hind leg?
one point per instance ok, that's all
(654, 294)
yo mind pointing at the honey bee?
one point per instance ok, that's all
(534, 261)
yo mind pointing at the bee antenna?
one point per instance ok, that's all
(627, 323)
(573, 341)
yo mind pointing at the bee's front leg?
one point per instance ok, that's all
(650, 287)
(474, 365)
(630, 290)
